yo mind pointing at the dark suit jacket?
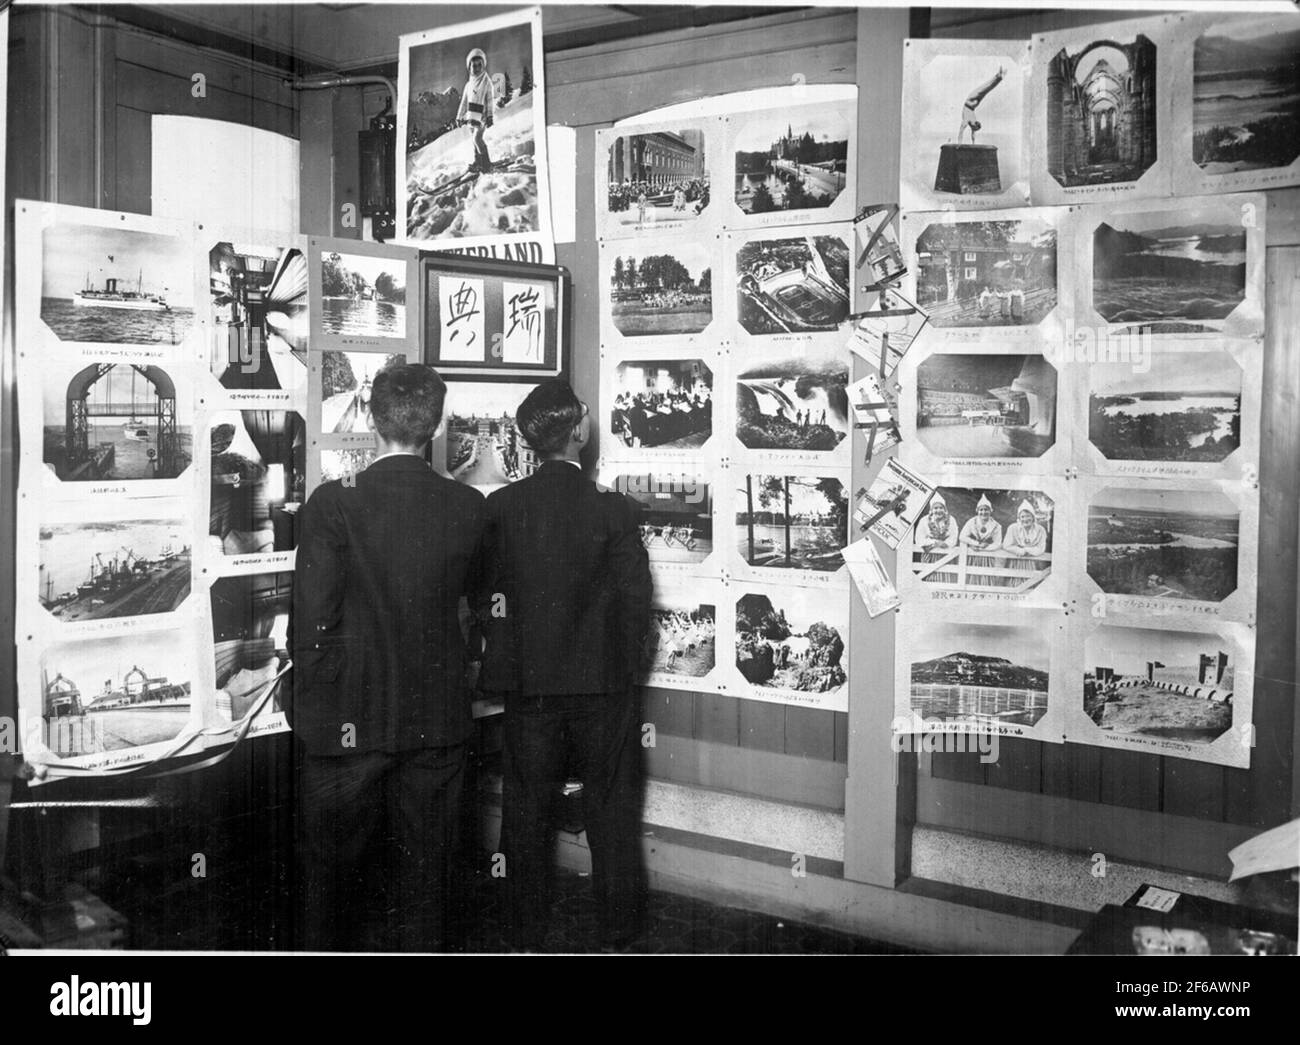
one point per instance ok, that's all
(377, 642)
(567, 557)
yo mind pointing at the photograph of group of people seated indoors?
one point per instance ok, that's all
(555, 574)
(678, 414)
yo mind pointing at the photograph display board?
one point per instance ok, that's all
(163, 464)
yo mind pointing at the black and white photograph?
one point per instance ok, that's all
(676, 516)
(345, 463)
(792, 522)
(250, 636)
(121, 286)
(884, 333)
(114, 568)
(1102, 111)
(664, 290)
(1246, 97)
(895, 500)
(259, 480)
(113, 694)
(795, 403)
(345, 382)
(1167, 545)
(484, 445)
(1170, 271)
(1186, 407)
(980, 675)
(985, 406)
(656, 180)
(472, 106)
(260, 326)
(1170, 685)
(792, 639)
(963, 107)
(110, 421)
(662, 404)
(792, 159)
(984, 540)
(362, 296)
(682, 640)
(792, 286)
(987, 273)
(880, 263)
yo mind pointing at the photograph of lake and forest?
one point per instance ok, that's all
(658, 294)
(792, 522)
(986, 406)
(1172, 544)
(1170, 272)
(1172, 685)
(986, 273)
(792, 162)
(800, 403)
(1186, 407)
(791, 639)
(981, 674)
(1246, 98)
(362, 296)
(792, 286)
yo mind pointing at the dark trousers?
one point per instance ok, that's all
(594, 736)
(404, 809)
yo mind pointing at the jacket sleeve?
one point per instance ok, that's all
(320, 579)
(631, 566)
(492, 607)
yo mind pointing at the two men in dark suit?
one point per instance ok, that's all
(568, 586)
(380, 704)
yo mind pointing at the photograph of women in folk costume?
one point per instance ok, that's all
(984, 540)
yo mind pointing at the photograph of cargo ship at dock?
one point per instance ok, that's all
(119, 568)
(115, 693)
(114, 285)
(259, 316)
(108, 420)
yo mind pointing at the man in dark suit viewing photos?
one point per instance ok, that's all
(380, 706)
(568, 604)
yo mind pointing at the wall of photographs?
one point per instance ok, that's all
(1085, 397)
(163, 461)
(724, 290)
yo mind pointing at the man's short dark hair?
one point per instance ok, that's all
(548, 414)
(406, 403)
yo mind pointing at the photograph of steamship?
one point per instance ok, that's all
(1101, 112)
(1246, 98)
(109, 421)
(979, 673)
(1171, 544)
(259, 316)
(791, 638)
(116, 285)
(259, 481)
(799, 163)
(792, 522)
(799, 403)
(1186, 407)
(663, 403)
(116, 693)
(986, 273)
(127, 568)
(1170, 272)
(658, 179)
(250, 629)
(792, 286)
(986, 406)
(1167, 684)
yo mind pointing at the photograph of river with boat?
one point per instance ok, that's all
(116, 285)
(119, 568)
(363, 296)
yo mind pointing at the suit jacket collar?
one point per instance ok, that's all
(400, 463)
(559, 469)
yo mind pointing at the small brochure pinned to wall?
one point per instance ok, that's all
(886, 330)
(870, 576)
(873, 411)
(893, 503)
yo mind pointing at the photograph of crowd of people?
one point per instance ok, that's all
(984, 540)
(259, 460)
(662, 403)
(682, 636)
(250, 635)
(792, 522)
(794, 285)
(798, 403)
(792, 161)
(971, 406)
(658, 179)
(1170, 271)
(654, 293)
(986, 273)
(1171, 685)
(676, 514)
(791, 639)
(1186, 407)
(980, 674)
(1163, 544)
(259, 315)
